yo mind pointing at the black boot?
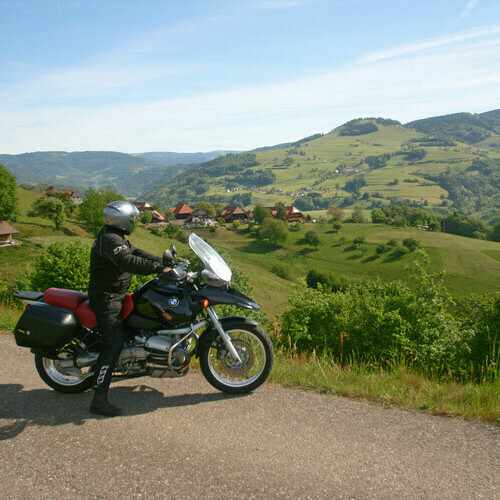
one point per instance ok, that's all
(101, 406)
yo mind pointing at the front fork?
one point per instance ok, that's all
(225, 337)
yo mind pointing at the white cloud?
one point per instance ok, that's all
(470, 5)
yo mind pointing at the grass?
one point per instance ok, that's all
(401, 387)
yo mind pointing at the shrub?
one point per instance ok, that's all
(400, 251)
(236, 224)
(62, 265)
(393, 243)
(380, 249)
(411, 243)
(312, 239)
(379, 321)
(282, 271)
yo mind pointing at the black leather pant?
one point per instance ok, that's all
(108, 310)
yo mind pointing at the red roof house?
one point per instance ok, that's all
(181, 211)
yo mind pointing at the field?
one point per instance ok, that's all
(471, 265)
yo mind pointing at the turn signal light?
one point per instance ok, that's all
(205, 303)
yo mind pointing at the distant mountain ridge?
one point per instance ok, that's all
(171, 158)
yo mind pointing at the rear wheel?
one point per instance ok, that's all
(225, 373)
(62, 374)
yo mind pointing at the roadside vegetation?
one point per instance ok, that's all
(354, 309)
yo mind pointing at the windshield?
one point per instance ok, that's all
(212, 260)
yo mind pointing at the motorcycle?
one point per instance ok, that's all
(161, 319)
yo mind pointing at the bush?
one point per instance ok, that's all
(62, 265)
(379, 321)
(282, 271)
(236, 224)
(400, 251)
(411, 243)
(274, 230)
(380, 249)
(312, 239)
(393, 243)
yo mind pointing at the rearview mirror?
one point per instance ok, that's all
(174, 251)
(167, 257)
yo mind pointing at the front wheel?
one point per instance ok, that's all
(61, 377)
(225, 373)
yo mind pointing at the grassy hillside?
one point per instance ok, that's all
(464, 127)
(472, 266)
(323, 168)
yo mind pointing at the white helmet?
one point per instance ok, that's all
(121, 215)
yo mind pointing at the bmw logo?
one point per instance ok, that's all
(173, 302)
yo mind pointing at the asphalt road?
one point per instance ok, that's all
(183, 439)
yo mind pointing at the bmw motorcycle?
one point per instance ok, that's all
(161, 321)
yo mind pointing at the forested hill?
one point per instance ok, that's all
(129, 174)
(367, 163)
(170, 158)
(464, 127)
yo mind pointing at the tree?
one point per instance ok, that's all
(495, 233)
(336, 226)
(49, 207)
(357, 215)
(208, 208)
(274, 230)
(358, 241)
(378, 216)
(280, 208)
(146, 217)
(260, 214)
(94, 201)
(336, 213)
(312, 239)
(411, 244)
(9, 205)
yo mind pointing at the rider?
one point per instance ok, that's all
(113, 260)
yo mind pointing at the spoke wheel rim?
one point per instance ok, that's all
(250, 349)
(52, 369)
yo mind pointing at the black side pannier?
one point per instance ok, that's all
(45, 326)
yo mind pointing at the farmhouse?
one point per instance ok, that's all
(142, 206)
(199, 218)
(7, 234)
(181, 211)
(157, 217)
(231, 213)
(292, 214)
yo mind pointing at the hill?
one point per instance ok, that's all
(170, 158)
(366, 162)
(464, 127)
(129, 174)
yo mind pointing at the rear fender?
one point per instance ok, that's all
(210, 334)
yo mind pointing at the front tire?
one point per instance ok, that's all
(254, 348)
(60, 379)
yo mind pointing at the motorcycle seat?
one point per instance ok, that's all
(67, 299)
(88, 318)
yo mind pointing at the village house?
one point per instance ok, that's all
(157, 217)
(231, 213)
(292, 214)
(142, 206)
(181, 211)
(7, 234)
(73, 195)
(199, 218)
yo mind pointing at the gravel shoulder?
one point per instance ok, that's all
(183, 439)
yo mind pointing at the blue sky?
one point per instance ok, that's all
(201, 75)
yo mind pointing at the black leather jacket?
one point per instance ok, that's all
(113, 260)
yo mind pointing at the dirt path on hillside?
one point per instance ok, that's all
(182, 439)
